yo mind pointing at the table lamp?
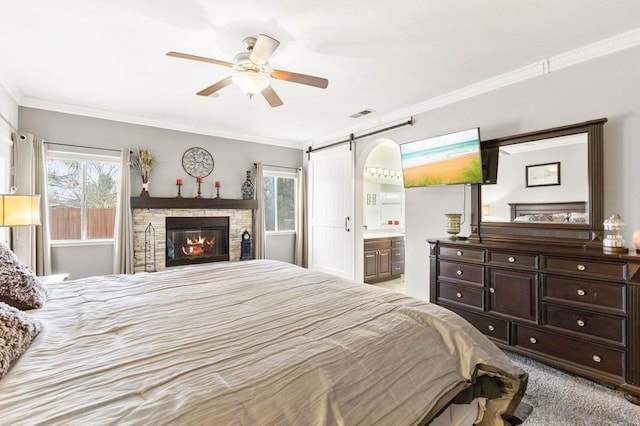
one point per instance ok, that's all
(19, 210)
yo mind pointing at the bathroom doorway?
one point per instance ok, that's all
(384, 215)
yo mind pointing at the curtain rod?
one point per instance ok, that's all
(275, 165)
(82, 146)
(352, 138)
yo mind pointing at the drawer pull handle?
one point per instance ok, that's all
(492, 290)
(580, 323)
(581, 267)
(459, 252)
(581, 292)
(459, 272)
(511, 259)
(533, 340)
(596, 358)
(491, 328)
(459, 295)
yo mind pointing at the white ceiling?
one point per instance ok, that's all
(106, 58)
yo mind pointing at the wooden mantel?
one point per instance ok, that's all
(191, 203)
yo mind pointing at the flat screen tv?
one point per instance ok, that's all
(442, 160)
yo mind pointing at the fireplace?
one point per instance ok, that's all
(197, 240)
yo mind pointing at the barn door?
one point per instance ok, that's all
(331, 237)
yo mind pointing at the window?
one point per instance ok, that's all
(82, 195)
(279, 201)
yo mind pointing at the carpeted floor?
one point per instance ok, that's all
(561, 399)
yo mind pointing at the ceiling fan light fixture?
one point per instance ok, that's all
(250, 82)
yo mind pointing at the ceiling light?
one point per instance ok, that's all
(250, 82)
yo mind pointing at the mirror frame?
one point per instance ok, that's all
(590, 234)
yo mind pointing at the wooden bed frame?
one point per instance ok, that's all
(522, 209)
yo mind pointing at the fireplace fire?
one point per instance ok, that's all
(197, 240)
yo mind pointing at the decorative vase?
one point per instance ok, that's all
(453, 224)
(145, 188)
(248, 190)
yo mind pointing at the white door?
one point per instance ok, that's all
(331, 237)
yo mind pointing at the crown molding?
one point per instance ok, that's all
(38, 103)
(582, 54)
(11, 89)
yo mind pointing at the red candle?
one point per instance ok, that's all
(217, 184)
(179, 181)
(199, 179)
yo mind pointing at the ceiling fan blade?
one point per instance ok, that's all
(263, 49)
(215, 87)
(272, 97)
(199, 58)
(309, 80)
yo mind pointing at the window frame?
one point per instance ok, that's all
(290, 175)
(83, 158)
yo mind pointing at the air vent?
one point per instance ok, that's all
(361, 113)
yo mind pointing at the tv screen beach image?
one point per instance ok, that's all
(442, 160)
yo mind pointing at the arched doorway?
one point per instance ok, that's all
(380, 199)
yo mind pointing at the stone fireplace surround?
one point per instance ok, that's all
(154, 211)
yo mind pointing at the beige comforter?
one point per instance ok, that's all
(246, 343)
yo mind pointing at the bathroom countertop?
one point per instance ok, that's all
(382, 234)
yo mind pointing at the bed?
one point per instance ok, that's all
(557, 212)
(253, 342)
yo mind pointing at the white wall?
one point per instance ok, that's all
(604, 87)
(232, 159)
(9, 110)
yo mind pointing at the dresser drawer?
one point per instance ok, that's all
(459, 294)
(591, 294)
(592, 355)
(580, 267)
(588, 323)
(516, 260)
(492, 327)
(470, 274)
(462, 253)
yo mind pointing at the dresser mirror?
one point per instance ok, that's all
(545, 185)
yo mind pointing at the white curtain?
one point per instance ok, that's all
(301, 234)
(123, 238)
(259, 236)
(31, 244)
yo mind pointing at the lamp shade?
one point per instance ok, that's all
(19, 210)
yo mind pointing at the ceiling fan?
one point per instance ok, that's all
(253, 70)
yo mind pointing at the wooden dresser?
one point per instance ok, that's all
(573, 308)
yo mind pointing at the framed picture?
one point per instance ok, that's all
(546, 174)
(368, 199)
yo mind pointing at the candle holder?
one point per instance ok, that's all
(217, 192)
(179, 185)
(199, 193)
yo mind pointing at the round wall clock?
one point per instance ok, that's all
(197, 162)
